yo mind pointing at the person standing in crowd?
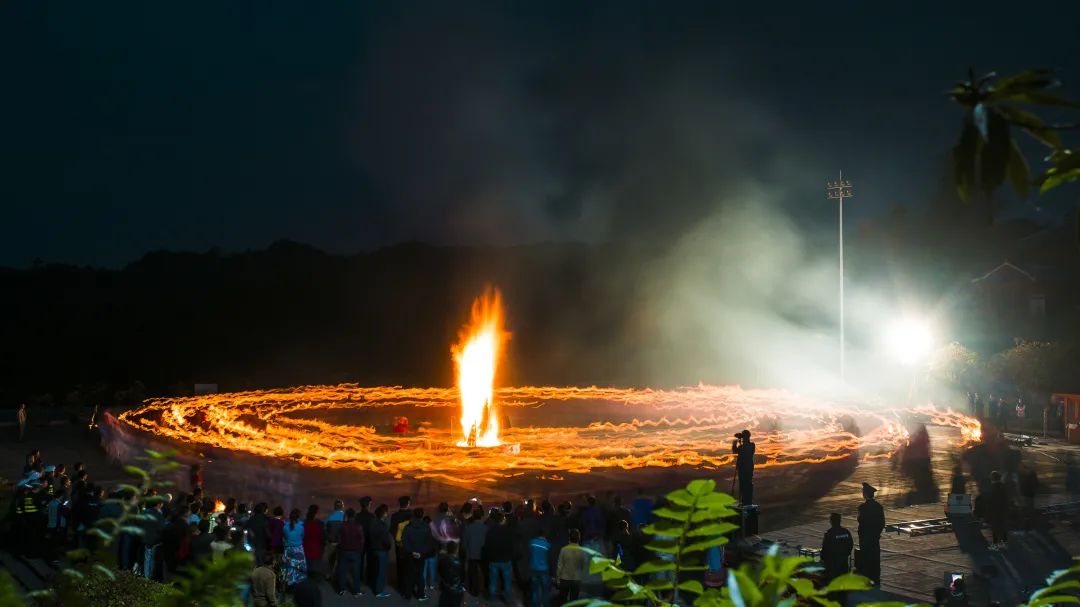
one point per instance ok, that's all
(381, 544)
(398, 521)
(314, 535)
(221, 543)
(153, 524)
(641, 509)
(264, 583)
(276, 525)
(572, 567)
(499, 545)
(451, 576)
(21, 418)
(350, 552)
(958, 485)
(473, 536)
(592, 524)
(995, 508)
(307, 593)
(293, 563)
(836, 549)
(334, 522)
(417, 544)
(744, 451)
(871, 524)
(258, 530)
(365, 518)
(538, 568)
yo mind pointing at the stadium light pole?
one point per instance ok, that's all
(839, 190)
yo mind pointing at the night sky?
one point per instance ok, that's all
(130, 127)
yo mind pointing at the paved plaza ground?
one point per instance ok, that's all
(912, 564)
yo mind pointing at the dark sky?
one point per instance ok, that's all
(128, 127)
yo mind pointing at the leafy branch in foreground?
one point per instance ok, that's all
(691, 523)
(1062, 587)
(94, 581)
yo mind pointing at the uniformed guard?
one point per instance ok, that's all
(871, 524)
(836, 549)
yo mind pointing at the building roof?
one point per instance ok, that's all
(1005, 266)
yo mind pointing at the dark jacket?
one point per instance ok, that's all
(380, 536)
(472, 540)
(366, 518)
(351, 538)
(450, 573)
(836, 547)
(417, 538)
(871, 521)
(258, 529)
(499, 544)
(997, 504)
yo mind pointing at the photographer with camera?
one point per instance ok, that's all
(744, 466)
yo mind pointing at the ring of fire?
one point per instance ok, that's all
(636, 428)
(663, 428)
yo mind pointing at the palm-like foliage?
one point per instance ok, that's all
(986, 153)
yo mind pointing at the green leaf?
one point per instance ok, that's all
(715, 500)
(705, 545)
(701, 487)
(847, 581)
(711, 514)
(665, 546)
(598, 564)
(1042, 98)
(663, 528)
(1056, 599)
(588, 603)
(963, 156)
(1054, 177)
(680, 497)
(692, 586)
(748, 588)
(1031, 124)
(654, 566)
(803, 587)
(994, 152)
(790, 565)
(679, 514)
(1071, 584)
(103, 570)
(824, 602)
(734, 592)
(1019, 173)
(1028, 80)
(710, 529)
(659, 585)
(136, 471)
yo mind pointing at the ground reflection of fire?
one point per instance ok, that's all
(685, 427)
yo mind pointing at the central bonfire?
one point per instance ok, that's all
(476, 357)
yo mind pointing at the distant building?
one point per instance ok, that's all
(1020, 300)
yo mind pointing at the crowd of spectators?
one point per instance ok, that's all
(473, 554)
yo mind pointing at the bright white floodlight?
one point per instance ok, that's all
(909, 340)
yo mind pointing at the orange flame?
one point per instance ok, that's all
(219, 506)
(476, 357)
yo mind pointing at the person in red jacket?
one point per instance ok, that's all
(314, 535)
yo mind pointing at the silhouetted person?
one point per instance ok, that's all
(744, 466)
(21, 418)
(959, 481)
(871, 524)
(836, 549)
(995, 509)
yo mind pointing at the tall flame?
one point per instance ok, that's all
(476, 357)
